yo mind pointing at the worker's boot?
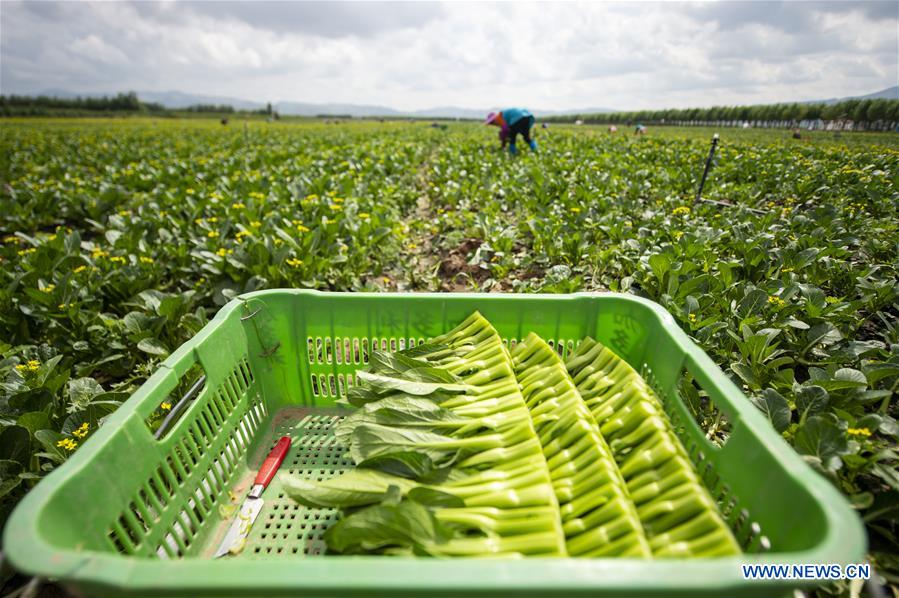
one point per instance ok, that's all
(512, 149)
(533, 144)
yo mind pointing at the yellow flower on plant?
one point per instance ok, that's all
(67, 443)
(145, 259)
(98, 253)
(575, 210)
(364, 215)
(255, 224)
(24, 252)
(212, 234)
(302, 229)
(831, 300)
(165, 406)
(222, 252)
(681, 210)
(278, 241)
(330, 221)
(337, 200)
(678, 234)
(198, 221)
(124, 213)
(212, 220)
(865, 432)
(257, 195)
(774, 300)
(116, 259)
(692, 318)
(29, 367)
(82, 430)
(49, 288)
(336, 207)
(241, 235)
(189, 191)
(238, 205)
(79, 269)
(294, 262)
(785, 270)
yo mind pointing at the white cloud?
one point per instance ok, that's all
(92, 47)
(546, 55)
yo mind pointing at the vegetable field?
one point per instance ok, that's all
(120, 239)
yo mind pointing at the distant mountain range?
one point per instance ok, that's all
(890, 93)
(178, 99)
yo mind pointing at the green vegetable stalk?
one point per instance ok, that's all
(677, 512)
(597, 514)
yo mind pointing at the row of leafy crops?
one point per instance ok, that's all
(120, 239)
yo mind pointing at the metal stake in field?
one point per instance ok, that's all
(708, 166)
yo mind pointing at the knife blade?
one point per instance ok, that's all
(252, 505)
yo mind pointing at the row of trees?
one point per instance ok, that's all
(877, 114)
(14, 105)
(17, 105)
(217, 108)
(228, 109)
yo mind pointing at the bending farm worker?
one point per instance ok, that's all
(513, 122)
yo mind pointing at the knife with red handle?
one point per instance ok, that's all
(249, 511)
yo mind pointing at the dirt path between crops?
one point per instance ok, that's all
(433, 268)
(420, 257)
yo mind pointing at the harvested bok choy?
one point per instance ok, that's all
(598, 517)
(679, 515)
(448, 461)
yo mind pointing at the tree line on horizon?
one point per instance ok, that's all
(122, 103)
(869, 114)
(865, 114)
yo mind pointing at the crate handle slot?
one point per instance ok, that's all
(176, 411)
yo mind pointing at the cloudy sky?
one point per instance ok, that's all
(621, 55)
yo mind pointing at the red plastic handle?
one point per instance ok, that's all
(273, 462)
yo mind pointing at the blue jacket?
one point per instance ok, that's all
(513, 115)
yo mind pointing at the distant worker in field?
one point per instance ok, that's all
(513, 122)
(640, 130)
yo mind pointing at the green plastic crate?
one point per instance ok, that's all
(130, 513)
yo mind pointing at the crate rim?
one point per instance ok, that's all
(28, 550)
